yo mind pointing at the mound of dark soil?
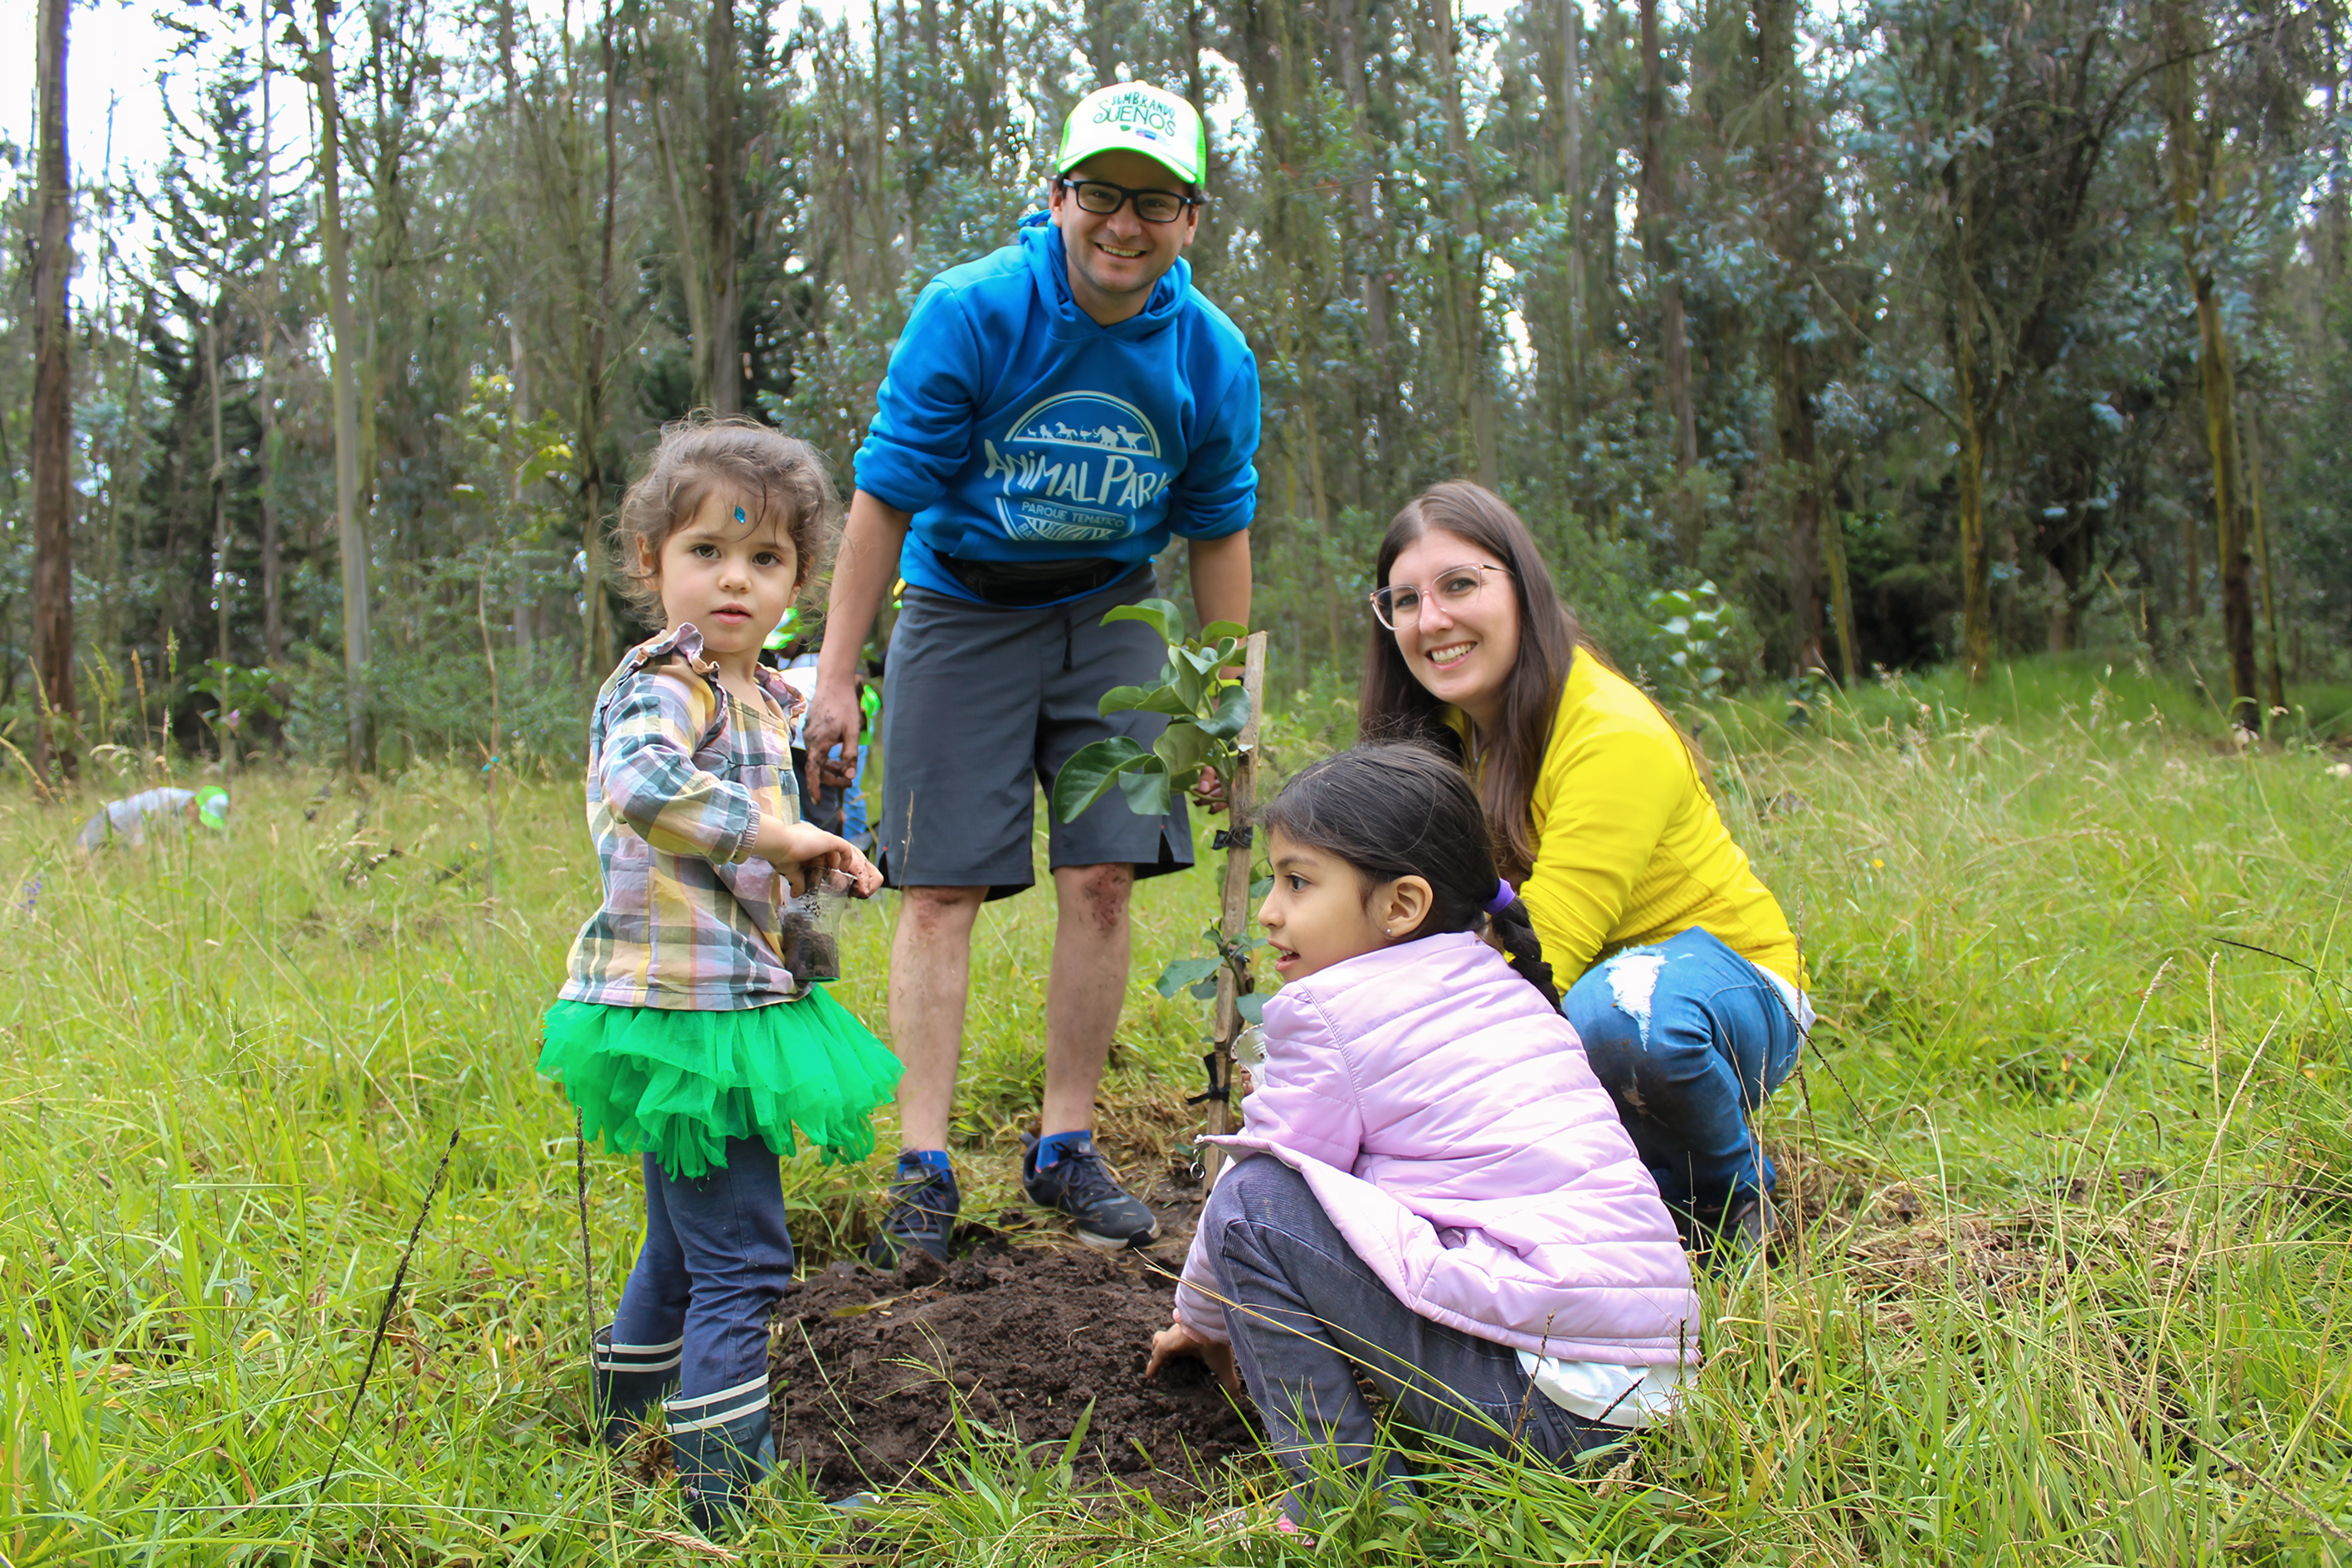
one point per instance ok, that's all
(869, 1367)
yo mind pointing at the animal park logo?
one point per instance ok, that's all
(1077, 467)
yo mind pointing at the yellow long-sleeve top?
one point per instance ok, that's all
(1630, 850)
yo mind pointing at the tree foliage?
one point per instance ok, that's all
(1903, 325)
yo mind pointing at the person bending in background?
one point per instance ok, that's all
(1686, 984)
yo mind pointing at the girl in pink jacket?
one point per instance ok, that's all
(1429, 1183)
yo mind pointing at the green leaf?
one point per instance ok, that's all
(1206, 991)
(1192, 686)
(1260, 888)
(1184, 972)
(1185, 749)
(1147, 699)
(1252, 1006)
(1146, 787)
(1158, 613)
(1232, 712)
(1216, 629)
(1087, 776)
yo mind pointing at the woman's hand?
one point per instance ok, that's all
(1176, 1340)
(796, 849)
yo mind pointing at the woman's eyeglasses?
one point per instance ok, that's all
(1102, 198)
(1455, 590)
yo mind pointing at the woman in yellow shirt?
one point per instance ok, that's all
(1680, 972)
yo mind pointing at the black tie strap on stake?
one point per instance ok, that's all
(1232, 838)
(384, 1319)
(1216, 1090)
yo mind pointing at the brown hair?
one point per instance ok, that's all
(1394, 706)
(775, 478)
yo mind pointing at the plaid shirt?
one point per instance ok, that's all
(680, 776)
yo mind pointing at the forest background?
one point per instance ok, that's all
(1809, 340)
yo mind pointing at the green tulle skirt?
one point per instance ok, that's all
(679, 1084)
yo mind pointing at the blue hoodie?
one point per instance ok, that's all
(1016, 428)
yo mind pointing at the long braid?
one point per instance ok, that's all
(1515, 929)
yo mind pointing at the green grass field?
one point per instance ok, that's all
(2075, 1176)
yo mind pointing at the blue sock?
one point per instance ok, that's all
(1052, 1148)
(920, 1162)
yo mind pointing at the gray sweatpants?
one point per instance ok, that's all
(1303, 1311)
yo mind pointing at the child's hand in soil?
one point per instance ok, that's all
(1176, 1340)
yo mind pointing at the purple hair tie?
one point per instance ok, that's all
(1504, 896)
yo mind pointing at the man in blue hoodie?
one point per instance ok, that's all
(1054, 413)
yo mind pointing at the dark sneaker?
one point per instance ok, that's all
(924, 1204)
(1080, 1184)
(1739, 1229)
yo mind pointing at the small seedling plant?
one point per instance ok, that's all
(1212, 731)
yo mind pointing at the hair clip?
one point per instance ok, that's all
(740, 517)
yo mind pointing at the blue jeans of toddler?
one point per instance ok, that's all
(1688, 1038)
(716, 1261)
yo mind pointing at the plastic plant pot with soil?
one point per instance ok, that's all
(811, 928)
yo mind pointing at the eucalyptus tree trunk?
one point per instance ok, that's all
(272, 628)
(219, 488)
(1974, 419)
(596, 632)
(52, 434)
(1466, 258)
(2271, 672)
(1571, 94)
(1377, 290)
(1658, 247)
(351, 533)
(1792, 199)
(722, 75)
(2193, 152)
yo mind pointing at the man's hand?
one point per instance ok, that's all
(1209, 790)
(833, 720)
(863, 569)
(1176, 1341)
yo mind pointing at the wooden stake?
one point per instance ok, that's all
(1233, 914)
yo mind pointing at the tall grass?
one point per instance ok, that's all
(2074, 1175)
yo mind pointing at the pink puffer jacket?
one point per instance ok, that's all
(1448, 1123)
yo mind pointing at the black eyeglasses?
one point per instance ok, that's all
(1102, 198)
(1455, 588)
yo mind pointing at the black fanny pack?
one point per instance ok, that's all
(1025, 585)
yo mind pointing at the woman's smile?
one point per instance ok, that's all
(1449, 655)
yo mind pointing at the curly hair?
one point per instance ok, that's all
(773, 476)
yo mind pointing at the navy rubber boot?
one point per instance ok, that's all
(722, 1445)
(626, 1381)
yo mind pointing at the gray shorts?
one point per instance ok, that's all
(981, 705)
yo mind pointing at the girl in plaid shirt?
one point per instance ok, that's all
(682, 1035)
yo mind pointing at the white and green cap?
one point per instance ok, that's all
(212, 806)
(1136, 117)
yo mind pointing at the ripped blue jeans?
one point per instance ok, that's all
(1688, 1038)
